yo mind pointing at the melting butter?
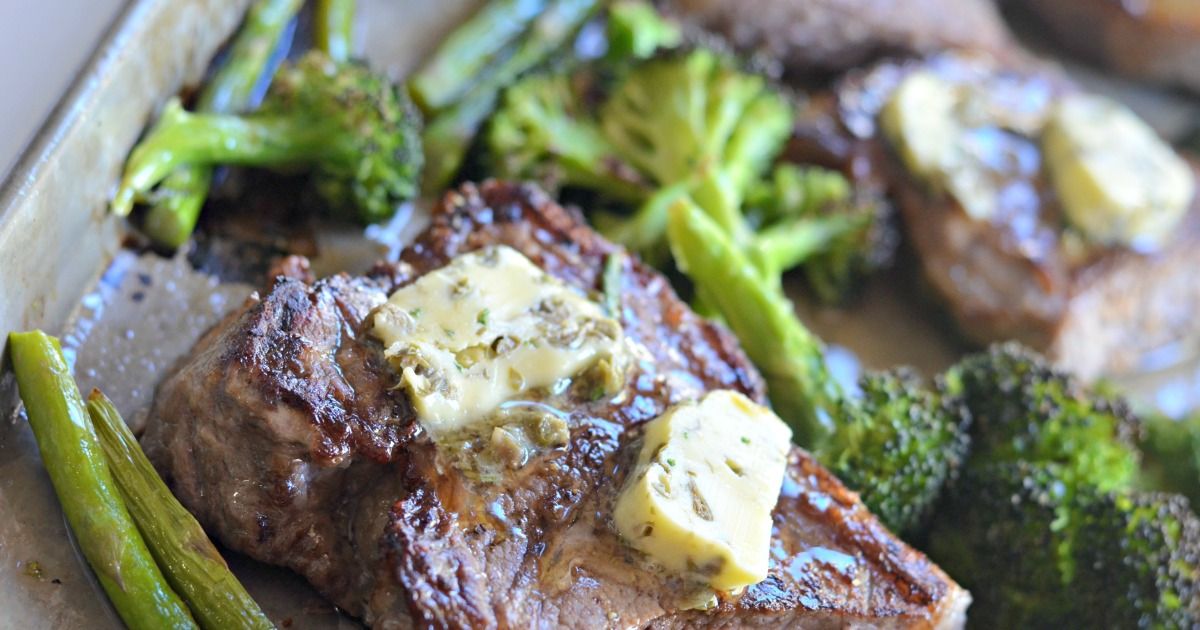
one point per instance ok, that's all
(1119, 183)
(486, 328)
(699, 500)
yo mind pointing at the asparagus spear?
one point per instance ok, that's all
(450, 132)
(457, 64)
(334, 28)
(179, 198)
(188, 558)
(789, 356)
(107, 535)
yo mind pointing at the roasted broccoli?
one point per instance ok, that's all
(864, 240)
(1026, 410)
(896, 443)
(1039, 552)
(636, 31)
(688, 123)
(356, 131)
(1171, 454)
(1046, 527)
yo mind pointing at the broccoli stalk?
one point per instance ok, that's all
(333, 28)
(352, 128)
(178, 200)
(898, 444)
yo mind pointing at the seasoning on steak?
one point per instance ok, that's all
(820, 37)
(283, 434)
(1012, 277)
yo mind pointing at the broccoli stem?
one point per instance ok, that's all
(457, 64)
(177, 205)
(789, 243)
(90, 499)
(188, 558)
(333, 28)
(789, 356)
(451, 131)
(643, 231)
(186, 139)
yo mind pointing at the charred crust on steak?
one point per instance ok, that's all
(1011, 277)
(283, 434)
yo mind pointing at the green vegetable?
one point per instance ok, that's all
(333, 28)
(90, 499)
(354, 129)
(178, 200)
(458, 62)
(680, 124)
(1038, 552)
(637, 31)
(1026, 410)
(454, 126)
(193, 566)
(543, 131)
(614, 270)
(898, 444)
(1047, 527)
(1171, 450)
(858, 238)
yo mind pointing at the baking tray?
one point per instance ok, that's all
(65, 271)
(57, 238)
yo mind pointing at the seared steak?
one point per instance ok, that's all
(817, 37)
(282, 433)
(1155, 40)
(1012, 277)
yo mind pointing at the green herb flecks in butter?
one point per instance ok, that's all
(699, 499)
(492, 325)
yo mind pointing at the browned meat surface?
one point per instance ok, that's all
(1011, 277)
(282, 434)
(1149, 40)
(830, 36)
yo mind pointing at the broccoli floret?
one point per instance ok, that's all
(677, 117)
(864, 242)
(1039, 552)
(358, 133)
(894, 442)
(1137, 561)
(544, 132)
(689, 122)
(637, 31)
(1024, 409)
(1046, 527)
(999, 534)
(1171, 454)
(898, 445)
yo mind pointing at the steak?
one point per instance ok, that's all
(1151, 40)
(1012, 277)
(823, 37)
(283, 434)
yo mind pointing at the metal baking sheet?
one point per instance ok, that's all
(128, 317)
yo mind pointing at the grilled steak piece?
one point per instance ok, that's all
(282, 433)
(1149, 40)
(1012, 277)
(818, 37)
